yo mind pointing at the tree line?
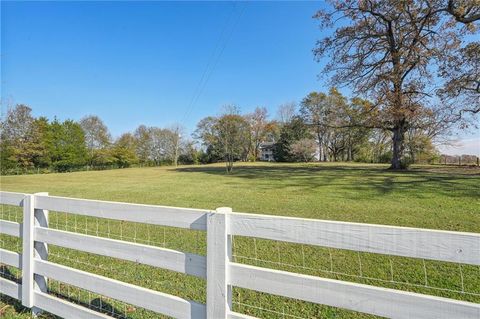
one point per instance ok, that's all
(322, 128)
(298, 133)
(37, 143)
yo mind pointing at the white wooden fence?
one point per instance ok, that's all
(220, 272)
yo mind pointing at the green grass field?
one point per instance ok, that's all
(436, 197)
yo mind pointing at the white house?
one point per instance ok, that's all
(266, 151)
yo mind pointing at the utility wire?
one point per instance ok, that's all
(210, 68)
(209, 63)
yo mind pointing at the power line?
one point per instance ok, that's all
(210, 60)
(210, 68)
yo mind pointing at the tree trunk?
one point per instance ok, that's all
(398, 141)
(227, 163)
(320, 143)
(175, 160)
(256, 151)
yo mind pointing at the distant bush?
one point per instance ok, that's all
(385, 157)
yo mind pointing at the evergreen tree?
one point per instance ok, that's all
(290, 133)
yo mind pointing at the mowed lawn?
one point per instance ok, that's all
(436, 197)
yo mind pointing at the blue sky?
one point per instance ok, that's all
(134, 63)
(156, 63)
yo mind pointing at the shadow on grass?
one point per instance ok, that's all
(14, 303)
(353, 177)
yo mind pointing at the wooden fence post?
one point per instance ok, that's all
(27, 251)
(219, 249)
(41, 252)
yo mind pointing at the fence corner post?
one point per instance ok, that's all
(219, 251)
(40, 251)
(27, 251)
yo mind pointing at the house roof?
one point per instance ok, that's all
(266, 144)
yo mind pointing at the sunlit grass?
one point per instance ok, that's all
(425, 196)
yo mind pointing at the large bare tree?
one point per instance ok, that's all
(258, 121)
(388, 51)
(177, 135)
(315, 110)
(286, 112)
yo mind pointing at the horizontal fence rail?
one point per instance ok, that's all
(10, 228)
(64, 308)
(147, 214)
(389, 240)
(149, 299)
(358, 297)
(10, 258)
(10, 288)
(186, 263)
(218, 268)
(14, 199)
